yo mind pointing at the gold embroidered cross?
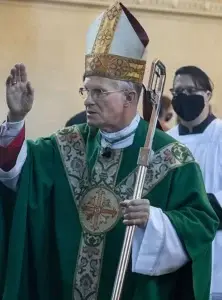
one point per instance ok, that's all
(99, 209)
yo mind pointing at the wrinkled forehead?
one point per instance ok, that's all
(183, 81)
(100, 82)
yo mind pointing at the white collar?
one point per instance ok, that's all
(112, 138)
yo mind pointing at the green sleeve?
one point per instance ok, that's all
(39, 235)
(33, 190)
(195, 222)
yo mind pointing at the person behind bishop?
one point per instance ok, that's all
(64, 206)
(79, 118)
(201, 132)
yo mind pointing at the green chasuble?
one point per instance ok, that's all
(61, 233)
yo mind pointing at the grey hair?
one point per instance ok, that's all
(128, 85)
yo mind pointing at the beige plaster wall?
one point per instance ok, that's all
(50, 40)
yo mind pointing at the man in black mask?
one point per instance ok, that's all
(201, 132)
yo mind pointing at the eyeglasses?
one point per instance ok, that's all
(96, 94)
(186, 90)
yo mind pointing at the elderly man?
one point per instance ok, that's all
(64, 206)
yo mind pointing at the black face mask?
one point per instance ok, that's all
(188, 107)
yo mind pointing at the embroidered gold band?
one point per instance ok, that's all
(115, 67)
(107, 29)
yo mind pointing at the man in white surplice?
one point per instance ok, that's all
(201, 132)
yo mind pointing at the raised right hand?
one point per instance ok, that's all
(19, 93)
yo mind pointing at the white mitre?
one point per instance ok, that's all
(116, 44)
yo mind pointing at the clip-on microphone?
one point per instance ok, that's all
(106, 152)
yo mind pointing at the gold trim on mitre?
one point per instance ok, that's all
(100, 62)
(107, 29)
(115, 67)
